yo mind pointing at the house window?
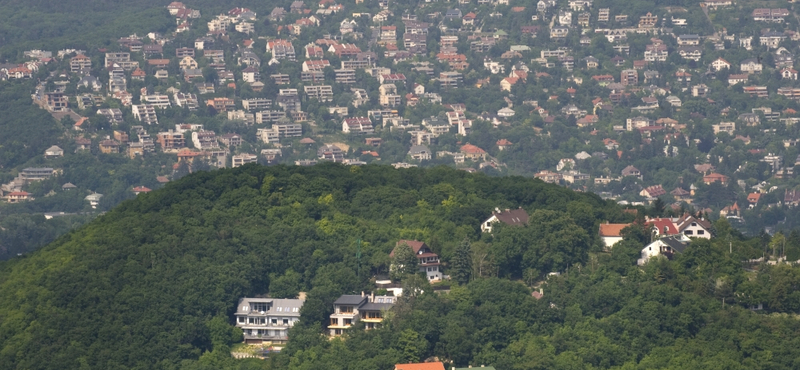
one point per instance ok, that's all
(688, 232)
(694, 223)
(348, 322)
(260, 307)
(275, 321)
(285, 321)
(251, 320)
(333, 321)
(241, 320)
(346, 309)
(701, 232)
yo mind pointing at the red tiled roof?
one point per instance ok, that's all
(612, 229)
(420, 366)
(414, 244)
(472, 149)
(662, 223)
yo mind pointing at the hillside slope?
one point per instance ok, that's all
(138, 287)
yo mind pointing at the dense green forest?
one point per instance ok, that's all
(153, 283)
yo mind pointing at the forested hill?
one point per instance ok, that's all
(153, 283)
(136, 287)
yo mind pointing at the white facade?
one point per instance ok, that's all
(267, 319)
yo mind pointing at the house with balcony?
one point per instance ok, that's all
(350, 309)
(428, 261)
(267, 320)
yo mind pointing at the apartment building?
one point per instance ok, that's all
(256, 104)
(267, 320)
(323, 93)
(170, 140)
(243, 159)
(145, 113)
(205, 140)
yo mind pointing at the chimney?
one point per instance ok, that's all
(362, 293)
(372, 299)
(541, 291)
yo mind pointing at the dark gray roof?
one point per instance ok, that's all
(376, 306)
(351, 300)
(675, 244)
(419, 149)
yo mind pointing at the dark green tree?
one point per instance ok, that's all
(404, 262)
(462, 263)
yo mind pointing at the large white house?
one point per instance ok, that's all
(267, 319)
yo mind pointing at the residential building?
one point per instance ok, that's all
(427, 260)
(32, 174)
(419, 152)
(667, 247)
(323, 93)
(515, 217)
(230, 140)
(629, 77)
(330, 152)
(145, 113)
(611, 234)
(18, 196)
(205, 140)
(109, 146)
(348, 310)
(473, 152)
(267, 320)
(357, 125)
(170, 140)
(80, 63)
(751, 66)
(243, 159)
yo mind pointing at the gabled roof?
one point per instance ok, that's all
(514, 217)
(472, 149)
(677, 245)
(663, 224)
(141, 189)
(414, 244)
(612, 230)
(420, 366)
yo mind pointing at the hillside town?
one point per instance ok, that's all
(668, 104)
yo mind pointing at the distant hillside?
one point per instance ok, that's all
(138, 287)
(55, 25)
